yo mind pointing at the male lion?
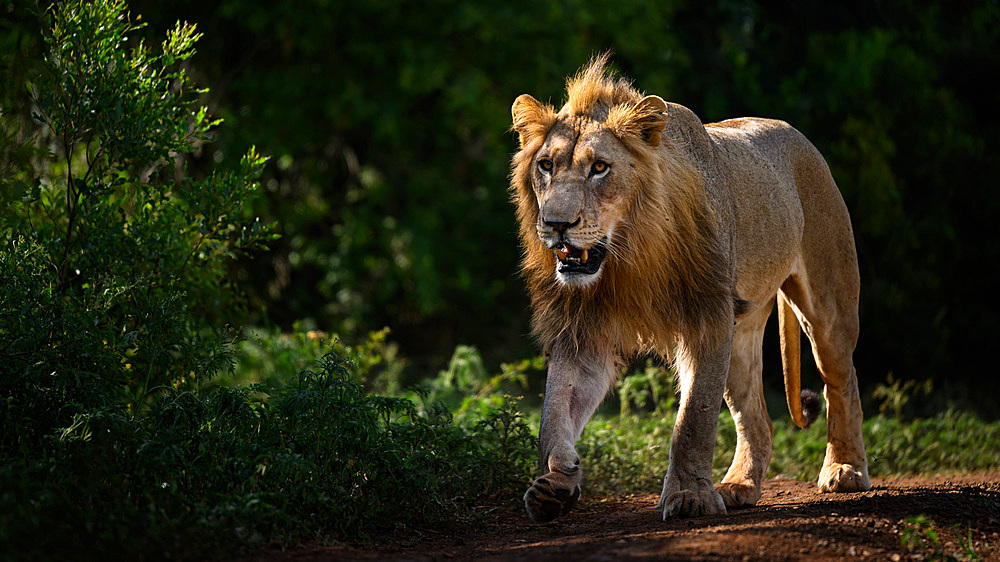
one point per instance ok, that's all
(646, 231)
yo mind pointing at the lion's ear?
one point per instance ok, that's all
(646, 119)
(531, 117)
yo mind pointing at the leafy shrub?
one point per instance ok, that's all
(465, 385)
(272, 357)
(114, 263)
(319, 459)
(112, 298)
(112, 285)
(895, 394)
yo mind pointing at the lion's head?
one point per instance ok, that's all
(612, 215)
(583, 173)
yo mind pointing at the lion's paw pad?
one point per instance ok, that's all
(838, 477)
(545, 499)
(738, 495)
(691, 503)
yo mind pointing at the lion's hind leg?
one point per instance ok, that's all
(744, 396)
(824, 289)
(831, 322)
(845, 467)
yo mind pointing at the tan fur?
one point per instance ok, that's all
(672, 277)
(699, 227)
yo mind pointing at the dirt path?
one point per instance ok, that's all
(792, 522)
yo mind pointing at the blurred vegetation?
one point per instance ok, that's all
(387, 126)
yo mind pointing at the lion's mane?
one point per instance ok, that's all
(666, 274)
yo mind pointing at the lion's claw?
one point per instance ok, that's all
(691, 503)
(738, 495)
(838, 477)
(546, 499)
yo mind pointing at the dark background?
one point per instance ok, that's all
(387, 124)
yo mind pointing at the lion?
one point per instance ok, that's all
(645, 231)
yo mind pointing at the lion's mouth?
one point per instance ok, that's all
(575, 260)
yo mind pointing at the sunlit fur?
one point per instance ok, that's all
(694, 213)
(665, 272)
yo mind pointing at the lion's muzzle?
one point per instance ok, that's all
(576, 260)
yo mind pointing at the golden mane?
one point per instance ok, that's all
(666, 273)
(593, 91)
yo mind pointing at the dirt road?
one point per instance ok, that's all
(793, 521)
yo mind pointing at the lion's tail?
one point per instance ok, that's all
(803, 405)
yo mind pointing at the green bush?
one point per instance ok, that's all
(319, 459)
(271, 357)
(114, 439)
(114, 260)
(466, 386)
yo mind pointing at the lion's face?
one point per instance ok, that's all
(583, 173)
(580, 180)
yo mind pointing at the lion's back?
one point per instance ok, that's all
(775, 152)
(776, 179)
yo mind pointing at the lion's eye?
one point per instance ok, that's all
(598, 168)
(545, 165)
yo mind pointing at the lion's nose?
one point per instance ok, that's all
(561, 226)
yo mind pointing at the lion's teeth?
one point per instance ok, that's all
(583, 258)
(562, 251)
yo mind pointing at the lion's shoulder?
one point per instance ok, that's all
(749, 124)
(758, 131)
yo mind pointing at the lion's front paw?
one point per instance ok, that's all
(738, 495)
(691, 503)
(837, 477)
(550, 496)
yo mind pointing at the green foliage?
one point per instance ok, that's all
(652, 388)
(114, 269)
(271, 357)
(195, 477)
(390, 181)
(113, 440)
(798, 452)
(920, 535)
(895, 394)
(630, 452)
(950, 441)
(118, 264)
(965, 542)
(465, 386)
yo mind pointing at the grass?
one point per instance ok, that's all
(632, 453)
(629, 452)
(921, 535)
